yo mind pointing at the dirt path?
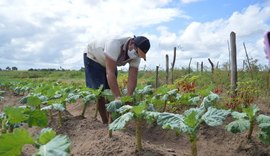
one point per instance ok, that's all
(89, 137)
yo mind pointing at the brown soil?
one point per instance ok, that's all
(89, 137)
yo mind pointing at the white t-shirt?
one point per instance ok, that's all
(112, 48)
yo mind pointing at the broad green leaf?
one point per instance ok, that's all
(89, 97)
(46, 135)
(57, 95)
(43, 98)
(138, 109)
(238, 115)
(1, 98)
(2, 116)
(59, 145)
(173, 92)
(124, 109)
(55, 106)
(2, 92)
(194, 100)
(72, 97)
(191, 120)
(215, 117)
(150, 116)
(209, 100)
(108, 94)
(199, 112)
(126, 99)
(15, 114)
(165, 97)
(251, 111)
(11, 143)
(263, 119)
(173, 121)
(238, 126)
(24, 100)
(38, 118)
(33, 101)
(121, 122)
(264, 134)
(146, 90)
(113, 106)
(150, 107)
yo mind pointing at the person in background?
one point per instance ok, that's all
(101, 66)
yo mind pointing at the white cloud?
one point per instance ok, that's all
(189, 1)
(55, 32)
(209, 39)
(61, 29)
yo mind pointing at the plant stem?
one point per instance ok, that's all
(50, 114)
(165, 105)
(193, 141)
(250, 129)
(110, 121)
(4, 126)
(11, 128)
(138, 134)
(59, 118)
(84, 109)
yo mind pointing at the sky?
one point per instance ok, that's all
(54, 33)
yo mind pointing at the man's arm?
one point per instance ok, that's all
(111, 77)
(132, 79)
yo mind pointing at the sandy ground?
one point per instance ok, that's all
(89, 137)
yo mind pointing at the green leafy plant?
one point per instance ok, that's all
(59, 108)
(191, 120)
(48, 143)
(14, 116)
(247, 119)
(264, 125)
(137, 113)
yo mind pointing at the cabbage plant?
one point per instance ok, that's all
(190, 121)
(247, 119)
(137, 113)
(47, 143)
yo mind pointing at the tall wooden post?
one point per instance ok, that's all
(157, 76)
(189, 68)
(212, 65)
(233, 64)
(174, 56)
(167, 69)
(249, 66)
(201, 66)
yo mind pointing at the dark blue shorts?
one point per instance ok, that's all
(95, 74)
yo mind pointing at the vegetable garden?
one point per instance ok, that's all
(195, 115)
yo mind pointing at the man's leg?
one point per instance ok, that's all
(102, 110)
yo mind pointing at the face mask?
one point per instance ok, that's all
(132, 54)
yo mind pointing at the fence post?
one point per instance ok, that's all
(167, 69)
(189, 69)
(249, 66)
(212, 65)
(233, 64)
(174, 56)
(157, 76)
(201, 66)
